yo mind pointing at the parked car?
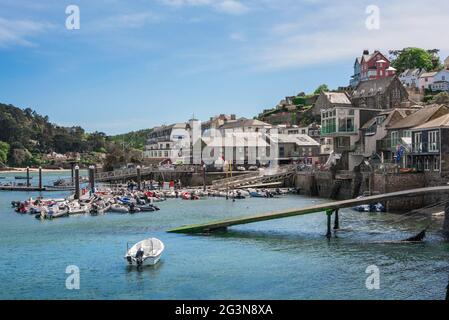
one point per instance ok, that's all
(241, 168)
(253, 168)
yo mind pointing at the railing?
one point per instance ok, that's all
(425, 148)
(333, 129)
(132, 172)
(236, 178)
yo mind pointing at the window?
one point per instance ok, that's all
(433, 141)
(380, 120)
(436, 164)
(426, 164)
(394, 139)
(407, 134)
(417, 145)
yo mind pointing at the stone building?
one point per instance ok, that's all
(380, 94)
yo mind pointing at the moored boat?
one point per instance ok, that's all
(145, 252)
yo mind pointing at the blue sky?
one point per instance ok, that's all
(137, 64)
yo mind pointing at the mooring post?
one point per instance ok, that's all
(92, 178)
(28, 177)
(72, 168)
(329, 216)
(336, 220)
(77, 182)
(139, 178)
(40, 178)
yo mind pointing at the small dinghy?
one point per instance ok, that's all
(148, 207)
(100, 208)
(119, 208)
(145, 253)
(78, 208)
(53, 212)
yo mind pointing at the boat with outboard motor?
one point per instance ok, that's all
(144, 253)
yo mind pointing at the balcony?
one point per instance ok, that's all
(425, 148)
(334, 131)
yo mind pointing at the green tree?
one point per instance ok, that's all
(412, 58)
(321, 88)
(4, 150)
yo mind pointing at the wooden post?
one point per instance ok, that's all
(139, 178)
(329, 216)
(77, 182)
(40, 178)
(28, 177)
(336, 221)
(92, 178)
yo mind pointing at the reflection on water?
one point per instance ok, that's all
(278, 259)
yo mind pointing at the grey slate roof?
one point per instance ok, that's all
(337, 97)
(417, 118)
(372, 87)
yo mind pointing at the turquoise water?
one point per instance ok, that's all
(280, 259)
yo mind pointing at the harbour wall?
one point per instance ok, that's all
(349, 185)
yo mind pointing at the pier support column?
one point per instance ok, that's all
(204, 177)
(92, 178)
(329, 216)
(336, 221)
(77, 182)
(446, 221)
(28, 177)
(40, 178)
(139, 178)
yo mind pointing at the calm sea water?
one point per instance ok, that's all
(280, 259)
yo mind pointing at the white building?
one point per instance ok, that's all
(410, 77)
(441, 81)
(426, 79)
(161, 142)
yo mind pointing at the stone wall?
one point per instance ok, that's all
(380, 183)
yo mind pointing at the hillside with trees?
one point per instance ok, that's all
(26, 136)
(133, 139)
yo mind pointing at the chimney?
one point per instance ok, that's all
(365, 52)
(233, 117)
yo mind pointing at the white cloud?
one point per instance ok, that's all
(17, 32)
(130, 20)
(337, 31)
(233, 7)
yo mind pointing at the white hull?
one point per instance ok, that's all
(151, 261)
(149, 252)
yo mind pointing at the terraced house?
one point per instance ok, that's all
(343, 121)
(400, 133)
(430, 141)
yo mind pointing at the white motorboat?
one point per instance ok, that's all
(76, 207)
(145, 253)
(119, 208)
